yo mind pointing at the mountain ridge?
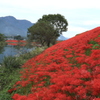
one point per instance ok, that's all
(10, 26)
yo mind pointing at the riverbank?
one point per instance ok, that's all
(8, 77)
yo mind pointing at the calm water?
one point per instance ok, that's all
(13, 51)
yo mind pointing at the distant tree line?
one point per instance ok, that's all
(2, 42)
(2, 37)
(18, 37)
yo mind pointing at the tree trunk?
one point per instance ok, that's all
(48, 44)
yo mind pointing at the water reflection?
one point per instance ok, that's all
(10, 50)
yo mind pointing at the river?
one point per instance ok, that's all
(10, 50)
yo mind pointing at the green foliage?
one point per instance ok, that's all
(18, 37)
(57, 20)
(11, 62)
(31, 54)
(25, 90)
(8, 77)
(92, 42)
(2, 42)
(43, 33)
(88, 52)
(47, 80)
(2, 37)
(7, 80)
(96, 46)
(2, 47)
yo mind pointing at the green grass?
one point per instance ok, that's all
(7, 80)
(10, 74)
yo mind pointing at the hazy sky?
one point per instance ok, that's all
(82, 15)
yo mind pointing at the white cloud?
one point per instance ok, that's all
(73, 30)
(92, 22)
(70, 4)
(76, 29)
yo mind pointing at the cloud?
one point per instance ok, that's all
(73, 30)
(68, 4)
(76, 29)
(92, 22)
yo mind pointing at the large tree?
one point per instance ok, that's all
(57, 20)
(43, 32)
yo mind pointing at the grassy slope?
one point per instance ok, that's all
(66, 71)
(9, 77)
(7, 80)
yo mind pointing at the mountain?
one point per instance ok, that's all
(61, 37)
(11, 26)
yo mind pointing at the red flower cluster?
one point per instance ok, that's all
(16, 42)
(69, 70)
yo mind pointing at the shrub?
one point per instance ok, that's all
(11, 62)
(32, 53)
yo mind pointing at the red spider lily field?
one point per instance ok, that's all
(69, 70)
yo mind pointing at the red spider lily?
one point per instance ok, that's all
(68, 70)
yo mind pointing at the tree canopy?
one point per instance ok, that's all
(43, 32)
(48, 29)
(57, 20)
